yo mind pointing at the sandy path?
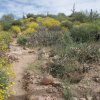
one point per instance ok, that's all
(24, 60)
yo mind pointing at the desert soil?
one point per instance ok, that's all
(24, 59)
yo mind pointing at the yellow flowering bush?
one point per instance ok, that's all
(27, 20)
(32, 25)
(16, 29)
(6, 74)
(5, 39)
(39, 19)
(49, 22)
(29, 30)
(30, 19)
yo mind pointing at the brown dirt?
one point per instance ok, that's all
(87, 86)
(24, 59)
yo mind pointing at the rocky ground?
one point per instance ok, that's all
(32, 85)
(20, 59)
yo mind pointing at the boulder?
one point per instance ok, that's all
(47, 80)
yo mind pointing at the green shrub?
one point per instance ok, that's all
(55, 28)
(56, 70)
(70, 66)
(79, 16)
(4, 79)
(17, 23)
(60, 17)
(6, 26)
(84, 33)
(49, 38)
(85, 53)
(44, 38)
(7, 21)
(67, 94)
(67, 23)
(5, 39)
(22, 40)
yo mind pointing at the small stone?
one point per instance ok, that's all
(57, 83)
(32, 98)
(96, 79)
(82, 99)
(51, 90)
(89, 98)
(32, 51)
(48, 98)
(75, 98)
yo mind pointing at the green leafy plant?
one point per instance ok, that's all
(5, 39)
(67, 23)
(22, 40)
(84, 33)
(56, 70)
(67, 94)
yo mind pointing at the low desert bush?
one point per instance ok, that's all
(17, 23)
(55, 28)
(5, 39)
(43, 37)
(67, 94)
(6, 26)
(56, 70)
(67, 24)
(22, 40)
(85, 53)
(70, 66)
(84, 33)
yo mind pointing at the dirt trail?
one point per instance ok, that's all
(36, 90)
(24, 59)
